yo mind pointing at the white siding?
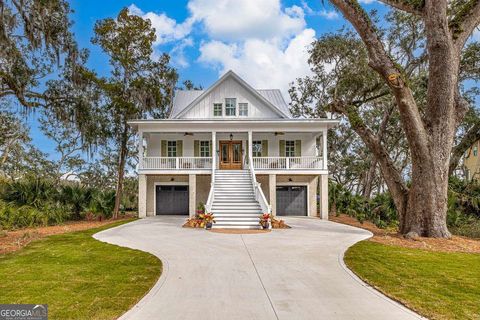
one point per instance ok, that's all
(230, 88)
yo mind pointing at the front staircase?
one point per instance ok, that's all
(234, 205)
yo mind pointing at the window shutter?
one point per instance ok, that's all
(163, 147)
(298, 148)
(264, 148)
(179, 148)
(281, 147)
(210, 149)
(196, 148)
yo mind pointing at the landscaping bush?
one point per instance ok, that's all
(463, 216)
(38, 202)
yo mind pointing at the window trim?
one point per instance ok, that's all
(172, 153)
(221, 109)
(240, 105)
(259, 151)
(204, 147)
(289, 149)
(228, 107)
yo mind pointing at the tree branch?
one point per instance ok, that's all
(465, 22)
(407, 6)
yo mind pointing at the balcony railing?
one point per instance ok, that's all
(288, 163)
(176, 163)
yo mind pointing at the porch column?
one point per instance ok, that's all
(324, 145)
(142, 196)
(272, 188)
(214, 150)
(192, 194)
(323, 180)
(140, 149)
(250, 148)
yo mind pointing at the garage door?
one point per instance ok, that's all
(292, 201)
(171, 200)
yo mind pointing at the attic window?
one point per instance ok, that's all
(217, 109)
(230, 106)
(243, 109)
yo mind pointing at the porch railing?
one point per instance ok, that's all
(176, 163)
(287, 163)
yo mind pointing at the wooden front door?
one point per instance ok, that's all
(231, 155)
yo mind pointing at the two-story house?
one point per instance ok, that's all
(236, 149)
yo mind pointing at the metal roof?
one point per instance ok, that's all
(182, 99)
(275, 97)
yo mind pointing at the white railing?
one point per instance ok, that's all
(259, 196)
(287, 163)
(211, 194)
(176, 163)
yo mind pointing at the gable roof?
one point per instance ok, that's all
(184, 100)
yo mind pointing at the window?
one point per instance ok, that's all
(243, 109)
(289, 148)
(171, 148)
(204, 148)
(217, 109)
(230, 106)
(256, 148)
(475, 151)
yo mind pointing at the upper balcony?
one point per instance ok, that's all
(200, 152)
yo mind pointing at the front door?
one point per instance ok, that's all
(231, 155)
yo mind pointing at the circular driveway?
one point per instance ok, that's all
(293, 273)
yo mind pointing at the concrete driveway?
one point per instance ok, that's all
(296, 273)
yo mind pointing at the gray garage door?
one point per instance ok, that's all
(292, 201)
(171, 200)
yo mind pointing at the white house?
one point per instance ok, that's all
(237, 150)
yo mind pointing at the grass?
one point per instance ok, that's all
(78, 276)
(438, 285)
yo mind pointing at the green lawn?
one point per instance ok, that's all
(78, 276)
(438, 285)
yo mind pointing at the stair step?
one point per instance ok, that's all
(236, 215)
(234, 227)
(244, 219)
(233, 223)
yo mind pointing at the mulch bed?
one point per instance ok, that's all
(15, 240)
(391, 237)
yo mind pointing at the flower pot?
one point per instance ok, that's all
(208, 226)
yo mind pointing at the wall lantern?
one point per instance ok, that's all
(231, 137)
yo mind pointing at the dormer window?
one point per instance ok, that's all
(243, 109)
(230, 106)
(217, 109)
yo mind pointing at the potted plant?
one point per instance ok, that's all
(265, 221)
(209, 220)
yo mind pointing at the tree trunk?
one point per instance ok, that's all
(369, 179)
(121, 171)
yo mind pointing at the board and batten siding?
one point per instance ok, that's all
(230, 88)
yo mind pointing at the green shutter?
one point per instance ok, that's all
(281, 147)
(179, 148)
(264, 148)
(298, 148)
(163, 148)
(196, 148)
(210, 149)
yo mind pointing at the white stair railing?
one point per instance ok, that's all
(259, 196)
(211, 194)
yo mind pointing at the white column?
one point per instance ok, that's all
(324, 145)
(192, 194)
(140, 149)
(214, 150)
(323, 178)
(250, 148)
(142, 196)
(272, 194)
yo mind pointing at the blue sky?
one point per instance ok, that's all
(264, 41)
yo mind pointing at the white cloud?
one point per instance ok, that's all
(367, 1)
(237, 20)
(328, 14)
(262, 63)
(166, 29)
